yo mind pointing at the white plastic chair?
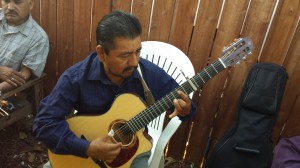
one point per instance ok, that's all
(172, 60)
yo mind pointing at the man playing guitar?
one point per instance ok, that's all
(91, 87)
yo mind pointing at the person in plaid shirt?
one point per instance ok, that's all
(24, 45)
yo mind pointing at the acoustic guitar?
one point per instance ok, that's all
(134, 116)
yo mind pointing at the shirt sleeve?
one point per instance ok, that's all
(50, 125)
(36, 57)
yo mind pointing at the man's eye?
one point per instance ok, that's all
(18, 1)
(126, 55)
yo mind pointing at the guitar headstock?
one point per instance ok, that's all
(236, 51)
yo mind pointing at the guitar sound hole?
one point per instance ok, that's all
(123, 134)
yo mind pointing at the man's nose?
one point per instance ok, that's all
(11, 5)
(134, 60)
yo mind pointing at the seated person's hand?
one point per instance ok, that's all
(104, 149)
(182, 106)
(11, 76)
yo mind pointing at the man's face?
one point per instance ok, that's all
(123, 59)
(16, 12)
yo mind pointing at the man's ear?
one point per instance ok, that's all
(31, 4)
(101, 53)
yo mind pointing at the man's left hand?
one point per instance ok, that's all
(182, 105)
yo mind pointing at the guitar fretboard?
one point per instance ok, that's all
(150, 113)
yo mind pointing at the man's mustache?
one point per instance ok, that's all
(11, 12)
(129, 69)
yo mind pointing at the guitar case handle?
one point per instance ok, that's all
(246, 150)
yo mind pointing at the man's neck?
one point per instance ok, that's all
(116, 80)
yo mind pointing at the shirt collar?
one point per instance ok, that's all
(97, 72)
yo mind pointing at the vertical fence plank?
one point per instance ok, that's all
(204, 32)
(100, 8)
(278, 42)
(124, 5)
(36, 11)
(291, 104)
(142, 10)
(291, 128)
(230, 26)
(65, 34)
(82, 28)
(161, 20)
(183, 23)
(48, 22)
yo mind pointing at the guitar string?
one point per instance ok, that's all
(124, 130)
(209, 69)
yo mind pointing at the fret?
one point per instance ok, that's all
(192, 79)
(152, 116)
(207, 73)
(132, 125)
(214, 68)
(141, 118)
(138, 121)
(156, 111)
(182, 89)
(170, 98)
(148, 116)
(164, 103)
(211, 71)
(201, 79)
(188, 87)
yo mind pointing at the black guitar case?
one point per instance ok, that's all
(248, 144)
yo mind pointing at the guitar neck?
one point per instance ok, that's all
(159, 107)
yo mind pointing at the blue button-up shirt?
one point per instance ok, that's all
(85, 88)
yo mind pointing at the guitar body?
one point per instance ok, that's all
(125, 107)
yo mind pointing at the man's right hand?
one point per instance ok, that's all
(11, 76)
(104, 149)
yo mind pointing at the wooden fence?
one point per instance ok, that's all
(200, 28)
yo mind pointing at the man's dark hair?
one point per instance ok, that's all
(117, 24)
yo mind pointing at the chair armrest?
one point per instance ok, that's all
(162, 142)
(25, 86)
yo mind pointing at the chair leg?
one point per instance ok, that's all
(162, 162)
(38, 93)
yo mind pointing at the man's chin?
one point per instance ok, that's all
(11, 18)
